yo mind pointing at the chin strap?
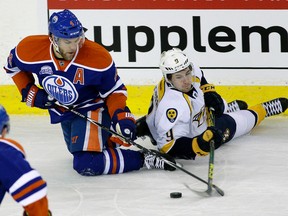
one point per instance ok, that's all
(54, 43)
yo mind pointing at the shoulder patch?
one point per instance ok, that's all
(171, 114)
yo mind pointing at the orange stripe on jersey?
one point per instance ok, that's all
(94, 141)
(115, 101)
(114, 161)
(29, 189)
(14, 143)
(21, 79)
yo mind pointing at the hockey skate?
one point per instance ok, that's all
(237, 105)
(153, 161)
(275, 107)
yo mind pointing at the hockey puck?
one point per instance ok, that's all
(175, 195)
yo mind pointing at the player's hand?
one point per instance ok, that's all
(123, 122)
(36, 97)
(213, 99)
(201, 143)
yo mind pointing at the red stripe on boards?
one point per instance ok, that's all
(169, 4)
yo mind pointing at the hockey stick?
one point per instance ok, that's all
(140, 147)
(211, 122)
(211, 154)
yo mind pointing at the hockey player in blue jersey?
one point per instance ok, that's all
(17, 177)
(81, 74)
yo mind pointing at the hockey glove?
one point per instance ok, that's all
(123, 122)
(36, 97)
(201, 143)
(213, 99)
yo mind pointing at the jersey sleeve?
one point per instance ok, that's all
(113, 91)
(14, 67)
(21, 181)
(11, 67)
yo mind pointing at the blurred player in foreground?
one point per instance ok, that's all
(22, 182)
(81, 74)
(177, 120)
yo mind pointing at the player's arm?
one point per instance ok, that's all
(22, 79)
(25, 82)
(31, 94)
(115, 101)
(123, 122)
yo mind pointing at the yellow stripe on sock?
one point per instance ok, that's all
(260, 111)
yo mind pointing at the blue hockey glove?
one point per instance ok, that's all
(123, 122)
(36, 97)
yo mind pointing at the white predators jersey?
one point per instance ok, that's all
(174, 114)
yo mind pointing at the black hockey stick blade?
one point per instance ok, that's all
(205, 193)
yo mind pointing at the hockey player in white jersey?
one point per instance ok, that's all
(177, 118)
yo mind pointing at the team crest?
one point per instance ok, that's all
(171, 114)
(60, 88)
(199, 117)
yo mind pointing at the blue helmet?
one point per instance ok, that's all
(65, 24)
(4, 120)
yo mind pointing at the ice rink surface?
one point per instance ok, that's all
(252, 171)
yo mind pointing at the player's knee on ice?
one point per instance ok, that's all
(110, 161)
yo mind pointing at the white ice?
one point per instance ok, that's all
(252, 171)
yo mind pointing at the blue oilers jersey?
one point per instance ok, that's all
(22, 182)
(84, 82)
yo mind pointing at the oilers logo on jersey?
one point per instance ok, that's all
(171, 114)
(60, 88)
